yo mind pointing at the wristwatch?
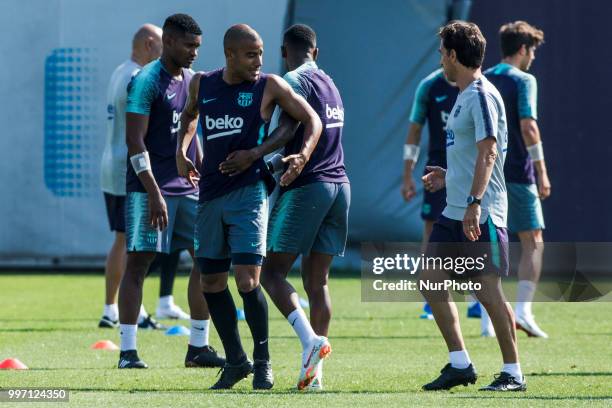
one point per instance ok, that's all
(473, 200)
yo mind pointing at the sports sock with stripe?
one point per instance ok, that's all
(198, 336)
(128, 336)
(256, 315)
(223, 314)
(298, 320)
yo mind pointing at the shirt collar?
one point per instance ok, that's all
(307, 65)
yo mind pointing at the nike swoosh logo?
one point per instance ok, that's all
(254, 244)
(199, 328)
(208, 100)
(309, 357)
(170, 96)
(441, 98)
(263, 341)
(293, 322)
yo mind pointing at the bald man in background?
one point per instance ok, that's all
(146, 47)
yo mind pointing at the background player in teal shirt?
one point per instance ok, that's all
(519, 41)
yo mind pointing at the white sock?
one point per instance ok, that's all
(459, 359)
(142, 314)
(298, 320)
(524, 297)
(199, 333)
(514, 370)
(166, 302)
(485, 322)
(128, 336)
(111, 311)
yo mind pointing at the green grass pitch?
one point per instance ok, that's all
(382, 353)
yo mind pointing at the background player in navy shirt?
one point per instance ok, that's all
(433, 101)
(310, 216)
(161, 205)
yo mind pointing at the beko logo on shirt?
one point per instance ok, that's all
(228, 124)
(176, 117)
(335, 113)
(176, 124)
(224, 123)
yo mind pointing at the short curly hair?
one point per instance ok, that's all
(467, 41)
(183, 24)
(300, 36)
(514, 35)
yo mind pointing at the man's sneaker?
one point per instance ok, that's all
(205, 356)
(317, 384)
(474, 310)
(529, 326)
(506, 382)
(107, 323)
(263, 379)
(151, 324)
(231, 374)
(426, 312)
(171, 312)
(451, 377)
(130, 359)
(318, 351)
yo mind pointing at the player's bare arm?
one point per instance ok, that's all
(188, 128)
(531, 136)
(240, 160)
(278, 92)
(199, 154)
(487, 154)
(136, 128)
(413, 139)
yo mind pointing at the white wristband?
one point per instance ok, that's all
(411, 152)
(141, 162)
(536, 152)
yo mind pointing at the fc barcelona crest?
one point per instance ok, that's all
(245, 99)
